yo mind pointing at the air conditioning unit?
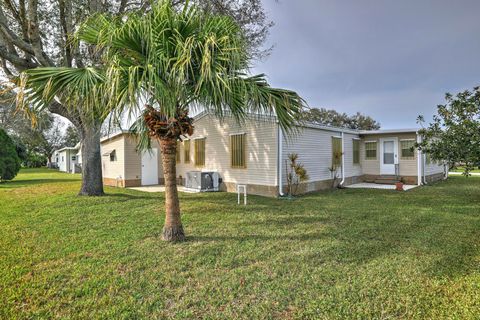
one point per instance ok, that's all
(202, 181)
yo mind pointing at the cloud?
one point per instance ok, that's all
(390, 59)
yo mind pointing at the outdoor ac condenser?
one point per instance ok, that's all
(202, 181)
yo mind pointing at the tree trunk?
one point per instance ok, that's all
(173, 229)
(92, 183)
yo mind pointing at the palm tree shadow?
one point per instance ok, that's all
(257, 237)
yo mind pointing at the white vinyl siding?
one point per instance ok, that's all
(314, 149)
(433, 167)
(260, 150)
(113, 169)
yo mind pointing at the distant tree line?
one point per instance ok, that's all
(34, 144)
(334, 118)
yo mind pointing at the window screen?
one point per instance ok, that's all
(336, 151)
(371, 150)
(177, 154)
(407, 149)
(186, 151)
(200, 152)
(237, 151)
(356, 151)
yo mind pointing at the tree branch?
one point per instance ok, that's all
(123, 5)
(34, 35)
(18, 62)
(65, 32)
(11, 36)
(5, 68)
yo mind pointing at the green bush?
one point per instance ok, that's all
(9, 160)
(34, 160)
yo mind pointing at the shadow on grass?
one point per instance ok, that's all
(257, 237)
(127, 196)
(25, 183)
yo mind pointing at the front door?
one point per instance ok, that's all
(388, 155)
(150, 167)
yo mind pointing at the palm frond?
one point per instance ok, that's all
(182, 59)
(74, 87)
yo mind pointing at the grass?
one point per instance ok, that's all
(338, 254)
(460, 169)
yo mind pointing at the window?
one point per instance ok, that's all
(407, 149)
(63, 158)
(237, 151)
(336, 151)
(200, 152)
(371, 150)
(177, 154)
(186, 151)
(74, 158)
(113, 155)
(356, 151)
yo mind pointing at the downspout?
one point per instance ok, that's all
(424, 159)
(419, 162)
(279, 160)
(343, 160)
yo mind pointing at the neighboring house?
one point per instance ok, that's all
(255, 154)
(67, 159)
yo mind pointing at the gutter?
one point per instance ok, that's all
(343, 160)
(419, 162)
(279, 160)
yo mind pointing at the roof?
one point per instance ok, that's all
(114, 135)
(66, 148)
(273, 118)
(311, 125)
(366, 132)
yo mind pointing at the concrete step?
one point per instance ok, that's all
(386, 181)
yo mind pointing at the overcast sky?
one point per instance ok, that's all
(389, 59)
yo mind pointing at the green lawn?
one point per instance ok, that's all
(460, 169)
(340, 254)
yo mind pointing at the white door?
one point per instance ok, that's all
(150, 167)
(388, 155)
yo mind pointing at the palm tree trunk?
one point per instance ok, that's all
(92, 183)
(173, 229)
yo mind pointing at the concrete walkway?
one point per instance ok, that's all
(156, 188)
(160, 188)
(365, 185)
(473, 174)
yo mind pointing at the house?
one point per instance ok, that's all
(68, 159)
(255, 153)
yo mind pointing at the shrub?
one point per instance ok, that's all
(296, 174)
(9, 160)
(35, 160)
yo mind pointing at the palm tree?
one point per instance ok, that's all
(162, 64)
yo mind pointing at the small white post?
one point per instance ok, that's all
(244, 187)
